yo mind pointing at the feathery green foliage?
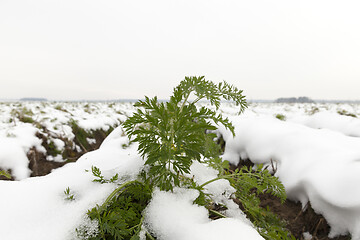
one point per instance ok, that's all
(249, 184)
(121, 217)
(171, 136)
(100, 178)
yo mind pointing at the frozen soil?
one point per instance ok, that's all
(298, 220)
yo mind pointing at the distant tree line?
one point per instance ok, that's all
(33, 99)
(294, 100)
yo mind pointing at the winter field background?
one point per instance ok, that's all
(315, 148)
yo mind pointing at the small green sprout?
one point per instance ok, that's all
(68, 195)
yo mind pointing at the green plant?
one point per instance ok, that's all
(26, 111)
(100, 178)
(26, 119)
(346, 113)
(68, 195)
(24, 115)
(313, 110)
(52, 150)
(5, 174)
(60, 108)
(120, 216)
(249, 184)
(80, 135)
(171, 136)
(280, 116)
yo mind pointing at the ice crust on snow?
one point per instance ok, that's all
(320, 166)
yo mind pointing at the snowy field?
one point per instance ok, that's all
(315, 147)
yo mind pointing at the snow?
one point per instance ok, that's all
(315, 153)
(174, 216)
(345, 124)
(59, 144)
(55, 117)
(35, 208)
(15, 143)
(13, 157)
(307, 236)
(317, 165)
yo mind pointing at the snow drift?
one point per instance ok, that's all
(317, 166)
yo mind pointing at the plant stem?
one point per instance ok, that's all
(198, 99)
(215, 179)
(100, 224)
(217, 213)
(227, 176)
(149, 235)
(185, 100)
(121, 187)
(138, 226)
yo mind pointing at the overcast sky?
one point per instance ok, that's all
(112, 49)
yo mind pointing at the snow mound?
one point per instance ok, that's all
(12, 156)
(174, 216)
(35, 208)
(320, 166)
(15, 143)
(345, 124)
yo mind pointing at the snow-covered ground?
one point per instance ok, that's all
(20, 121)
(316, 151)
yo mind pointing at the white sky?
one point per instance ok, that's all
(112, 49)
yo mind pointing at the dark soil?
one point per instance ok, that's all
(40, 166)
(297, 220)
